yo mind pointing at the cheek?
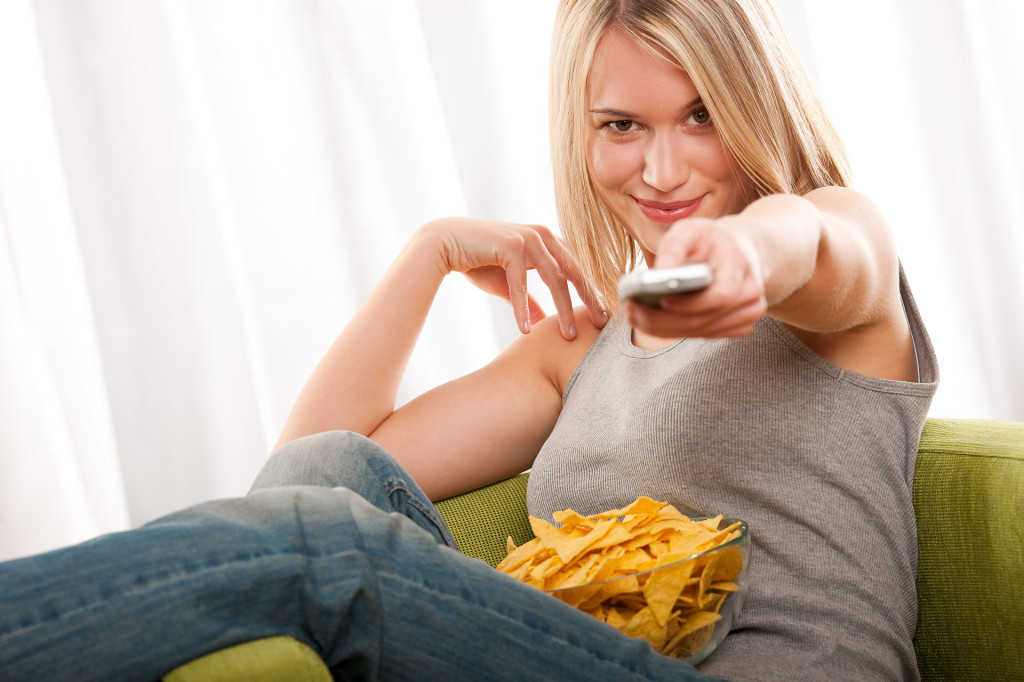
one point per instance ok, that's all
(719, 166)
(716, 162)
(611, 166)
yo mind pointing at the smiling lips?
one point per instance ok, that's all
(668, 213)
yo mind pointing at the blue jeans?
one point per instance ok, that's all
(335, 546)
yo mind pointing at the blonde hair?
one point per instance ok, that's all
(750, 77)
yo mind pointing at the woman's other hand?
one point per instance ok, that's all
(497, 256)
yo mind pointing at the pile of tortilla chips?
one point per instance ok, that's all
(602, 565)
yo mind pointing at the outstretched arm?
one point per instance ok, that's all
(825, 264)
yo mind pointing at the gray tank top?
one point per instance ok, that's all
(818, 460)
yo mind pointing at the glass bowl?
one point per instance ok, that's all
(684, 608)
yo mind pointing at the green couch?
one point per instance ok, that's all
(969, 498)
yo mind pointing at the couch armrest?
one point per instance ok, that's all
(969, 499)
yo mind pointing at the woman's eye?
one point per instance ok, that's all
(621, 126)
(700, 117)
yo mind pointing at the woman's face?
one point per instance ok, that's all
(652, 149)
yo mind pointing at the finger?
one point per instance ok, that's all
(685, 242)
(736, 321)
(710, 303)
(714, 326)
(570, 271)
(518, 295)
(596, 307)
(551, 274)
(539, 244)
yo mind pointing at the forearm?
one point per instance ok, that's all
(354, 387)
(828, 260)
(823, 263)
(783, 234)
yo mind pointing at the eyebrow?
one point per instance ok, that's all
(619, 113)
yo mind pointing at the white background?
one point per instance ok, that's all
(195, 195)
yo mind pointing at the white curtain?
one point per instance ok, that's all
(925, 94)
(196, 194)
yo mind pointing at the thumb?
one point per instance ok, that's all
(686, 242)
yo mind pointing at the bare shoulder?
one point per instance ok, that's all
(547, 351)
(857, 280)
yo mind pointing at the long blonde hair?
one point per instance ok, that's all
(748, 73)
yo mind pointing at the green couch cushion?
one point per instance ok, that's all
(482, 520)
(969, 498)
(274, 659)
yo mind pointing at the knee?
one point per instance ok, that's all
(325, 442)
(329, 459)
(340, 459)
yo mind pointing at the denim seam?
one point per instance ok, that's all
(431, 514)
(597, 654)
(306, 558)
(373, 574)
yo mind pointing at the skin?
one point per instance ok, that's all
(824, 264)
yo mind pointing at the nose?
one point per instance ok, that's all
(665, 164)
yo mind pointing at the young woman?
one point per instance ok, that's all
(791, 393)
